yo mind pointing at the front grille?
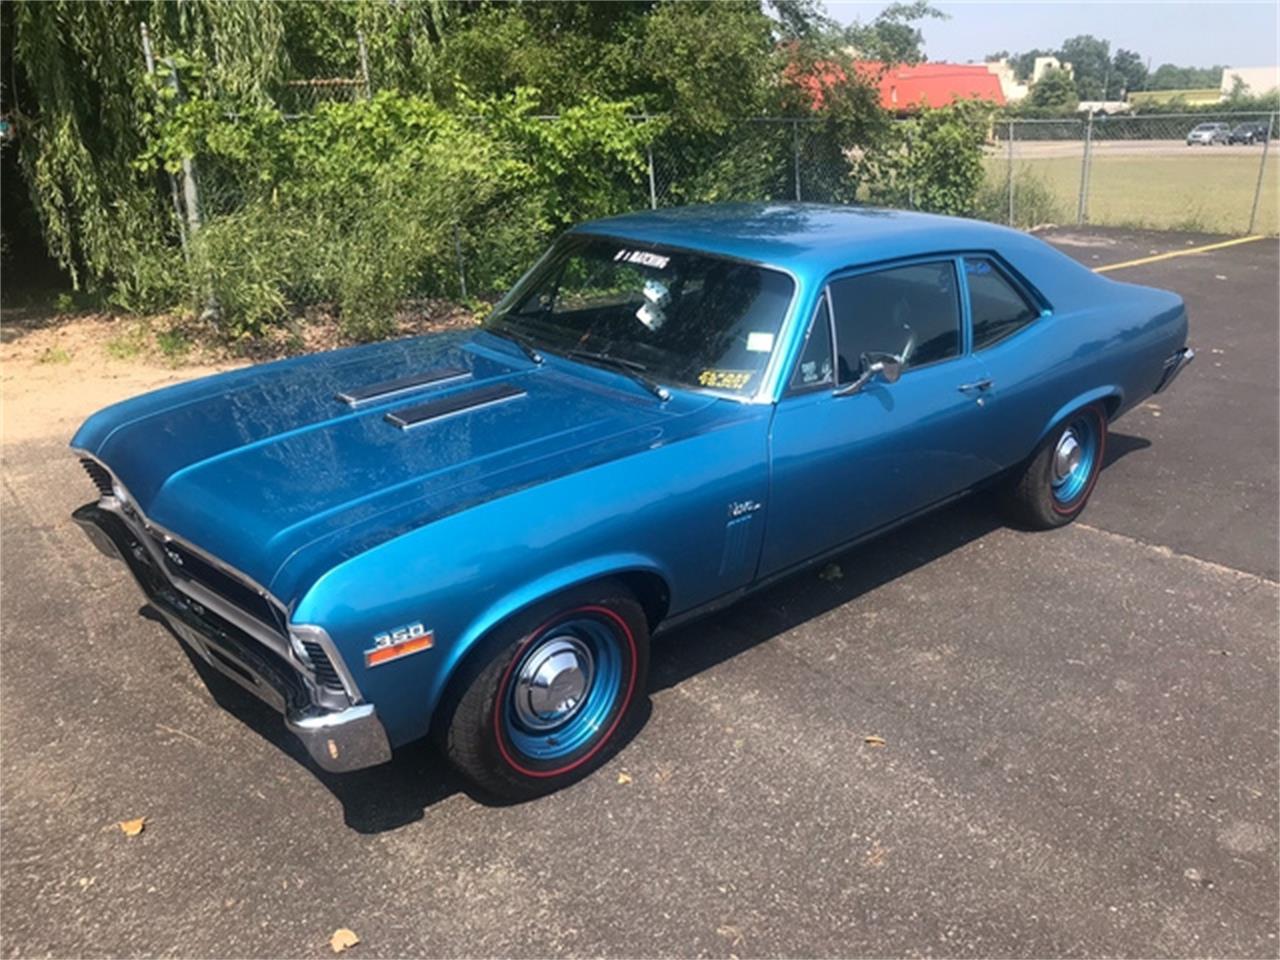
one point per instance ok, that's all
(322, 666)
(98, 474)
(186, 564)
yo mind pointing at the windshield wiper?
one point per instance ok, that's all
(629, 368)
(525, 346)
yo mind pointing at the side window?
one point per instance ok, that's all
(998, 308)
(885, 311)
(814, 368)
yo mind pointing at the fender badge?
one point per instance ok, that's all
(397, 643)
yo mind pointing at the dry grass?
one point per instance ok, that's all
(1199, 191)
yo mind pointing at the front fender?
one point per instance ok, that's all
(527, 594)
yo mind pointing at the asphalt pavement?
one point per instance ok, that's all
(1080, 736)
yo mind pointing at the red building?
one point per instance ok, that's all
(904, 88)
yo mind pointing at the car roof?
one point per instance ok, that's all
(806, 239)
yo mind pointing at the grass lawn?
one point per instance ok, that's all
(1200, 191)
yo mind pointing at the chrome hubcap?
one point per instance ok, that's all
(553, 682)
(1067, 457)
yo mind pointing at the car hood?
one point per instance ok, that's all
(254, 465)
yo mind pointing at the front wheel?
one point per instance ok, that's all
(557, 697)
(1055, 484)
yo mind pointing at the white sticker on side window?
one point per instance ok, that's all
(759, 342)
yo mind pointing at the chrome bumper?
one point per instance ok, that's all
(339, 740)
(1176, 363)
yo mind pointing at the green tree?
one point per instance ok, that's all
(1128, 73)
(1169, 76)
(1090, 60)
(1055, 89)
(893, 36)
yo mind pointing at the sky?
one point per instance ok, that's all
(1199, 34)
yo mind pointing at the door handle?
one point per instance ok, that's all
(978, 386)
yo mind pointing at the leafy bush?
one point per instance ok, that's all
(366, 203)
(1034, 204)
(934, 163)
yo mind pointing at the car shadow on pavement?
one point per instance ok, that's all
(398, 793)
(1121, 445)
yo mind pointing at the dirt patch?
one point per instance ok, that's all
(57, 369)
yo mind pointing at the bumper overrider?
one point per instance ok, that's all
(339, 731)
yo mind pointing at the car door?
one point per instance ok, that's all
(845, 464)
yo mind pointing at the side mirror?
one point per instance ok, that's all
(889, 367)
(886, 366)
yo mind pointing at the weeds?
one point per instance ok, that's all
(56, 355)
(129, 344)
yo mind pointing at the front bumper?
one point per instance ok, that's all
(339, 740)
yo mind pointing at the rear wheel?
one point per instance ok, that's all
(1056, 482)
(557, 697)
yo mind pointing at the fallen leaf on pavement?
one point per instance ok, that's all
(343, 939)
(132, 828)
(624, 777)
(872, 740)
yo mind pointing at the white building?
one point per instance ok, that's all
(1257, 81)
(1013, 90)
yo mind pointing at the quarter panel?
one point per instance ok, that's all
(1114, 348)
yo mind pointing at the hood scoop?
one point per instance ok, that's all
(390, 388)
(452, 405)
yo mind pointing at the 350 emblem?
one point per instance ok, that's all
(397, 643)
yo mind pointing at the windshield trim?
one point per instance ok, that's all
(766, 392)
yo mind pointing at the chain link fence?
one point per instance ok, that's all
(1191, 172)
(1202, 172)
(757, 159)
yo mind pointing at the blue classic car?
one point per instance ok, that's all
(473, 535)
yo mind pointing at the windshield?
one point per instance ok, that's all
(682, 318)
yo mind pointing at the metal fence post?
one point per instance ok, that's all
(1010, 146)
(1082, 203)
(364, 64)
(1262, 167)
(462, 263)
(653, 180)
(795, 151)
(190, 190)
(150, 59)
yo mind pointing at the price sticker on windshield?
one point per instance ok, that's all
(725, 379)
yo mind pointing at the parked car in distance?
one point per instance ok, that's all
(1207, 134)
(1250, 132)
(474, 534)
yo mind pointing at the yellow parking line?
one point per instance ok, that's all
(1177, 253)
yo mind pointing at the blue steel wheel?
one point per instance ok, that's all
(565, 687)
(1076, 454)
(1055, 482)
(549, 695)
